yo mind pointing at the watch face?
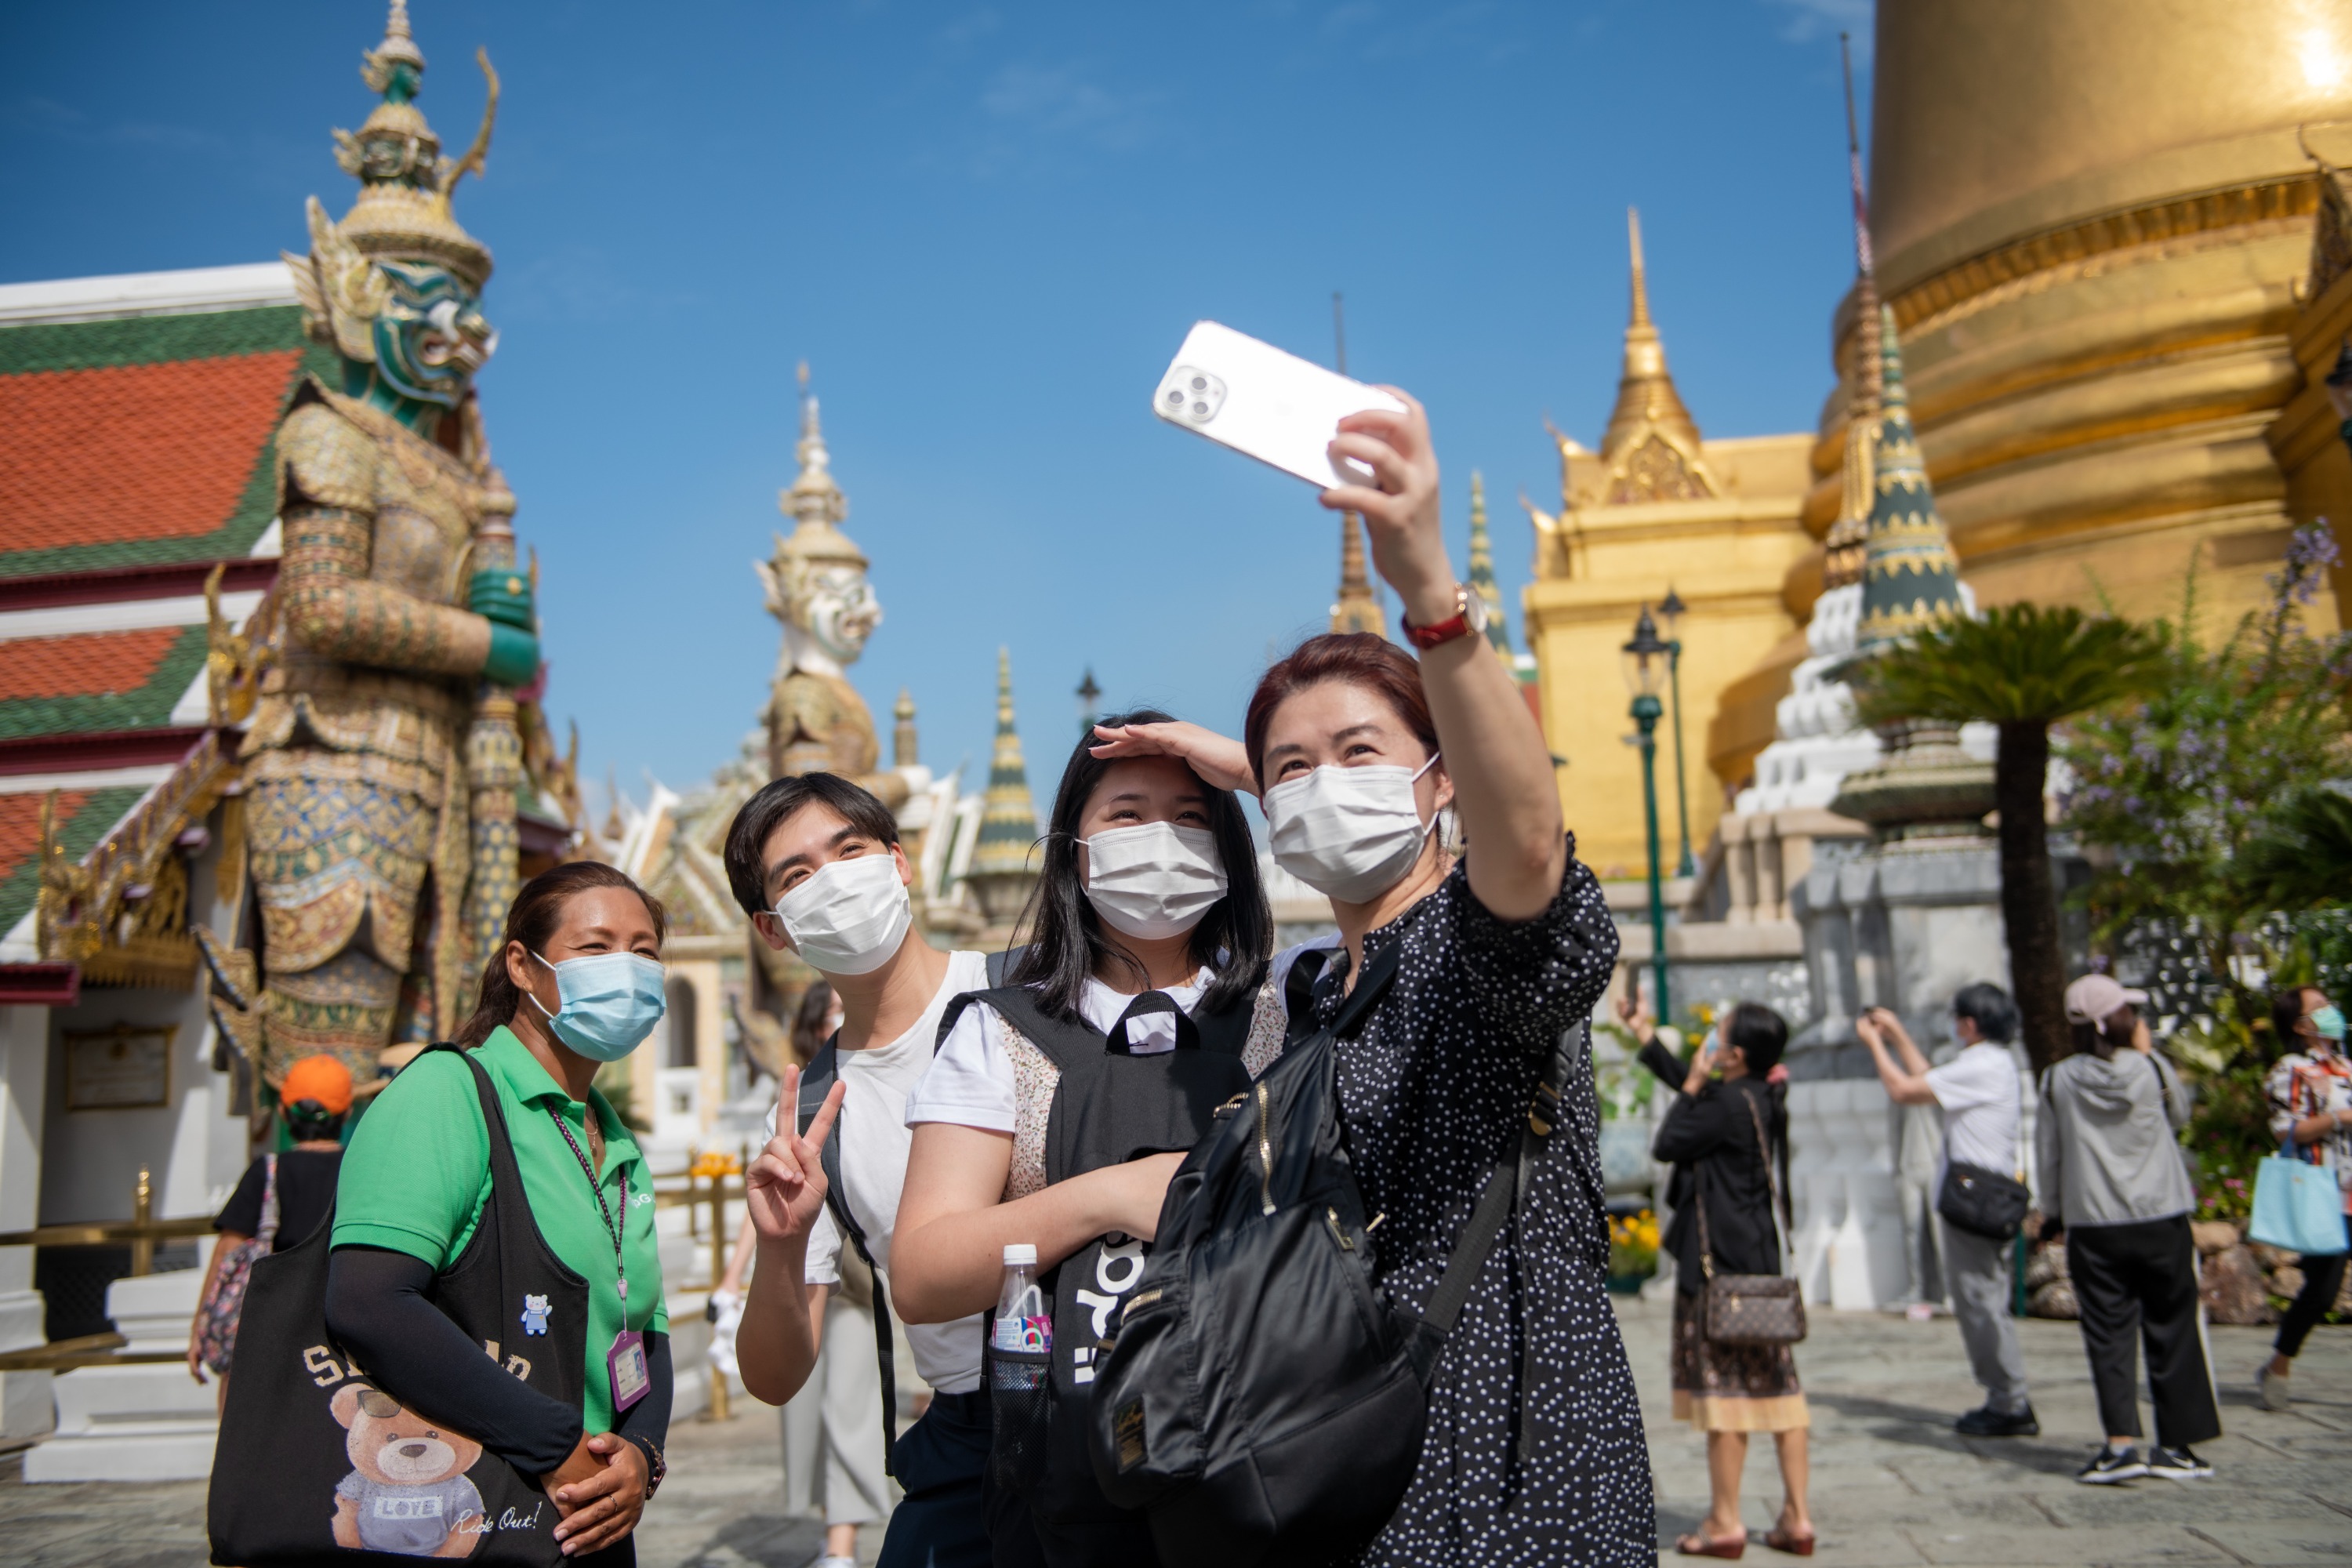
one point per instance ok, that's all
(1473, 610)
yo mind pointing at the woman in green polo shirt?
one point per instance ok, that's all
(577, 983)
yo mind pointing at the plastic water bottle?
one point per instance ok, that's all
(1021, 1324)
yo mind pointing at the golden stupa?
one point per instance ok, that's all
(2099, 225)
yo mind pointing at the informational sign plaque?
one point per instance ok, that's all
(125, 1068)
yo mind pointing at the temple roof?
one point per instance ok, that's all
(1651, 446)
(1008, 824)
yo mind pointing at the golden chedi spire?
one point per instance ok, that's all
(1651, 446)
(904, 751)
(1008, 822)
(403, 210)
(1844, 543)
(1356, 610)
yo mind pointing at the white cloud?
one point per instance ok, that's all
(1064, 101)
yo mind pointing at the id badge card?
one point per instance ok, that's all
(626, 1362)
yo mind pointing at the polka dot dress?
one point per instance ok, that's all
(1434, 1093)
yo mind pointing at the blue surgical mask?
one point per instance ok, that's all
(2329, 1022)
(611, 1002)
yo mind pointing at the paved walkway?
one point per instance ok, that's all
(1892, 1483)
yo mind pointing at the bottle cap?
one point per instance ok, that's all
(1020, 1255)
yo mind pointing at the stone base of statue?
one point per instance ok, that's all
(148, 1422)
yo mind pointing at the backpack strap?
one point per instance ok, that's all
(1001, 963)
(816, 1081)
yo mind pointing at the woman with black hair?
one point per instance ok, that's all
(1061, 1104)
(1727, 1139)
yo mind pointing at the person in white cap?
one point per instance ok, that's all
(2113, 1181)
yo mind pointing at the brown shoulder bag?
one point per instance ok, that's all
(1751, 1308)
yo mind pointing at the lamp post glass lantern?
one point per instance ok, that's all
(1648, 663)
(1090, 696)
(1671, 610)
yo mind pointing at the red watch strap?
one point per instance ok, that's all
(1456, 624)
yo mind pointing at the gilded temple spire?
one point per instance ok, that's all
(1651, 446)
(1481, 580)
(904, 751)
(1358, 608)
(1008, 822)
(1847, 535)
(402, 212)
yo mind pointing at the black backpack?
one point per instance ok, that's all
(1262, 1400)
(816, 1081)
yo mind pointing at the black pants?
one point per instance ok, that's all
(2144, 1277)
(943, 1463)
(2323, 1277)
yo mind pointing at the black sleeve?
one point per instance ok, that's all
(376, 1306)
(1696, 1126)
(649, 1417)
(242, 1213)
(1669, 1068)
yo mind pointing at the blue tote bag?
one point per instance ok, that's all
(2297, 1205)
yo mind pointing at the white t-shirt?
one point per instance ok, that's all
(1979, 1091)
(973, 1083)
(874, 1143)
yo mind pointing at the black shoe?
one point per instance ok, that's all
(2111, 1467)
(1991, 1423)
(2177, 1464)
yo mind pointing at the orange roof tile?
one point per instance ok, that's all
(87, 664)
(140, 451)
(20, 824)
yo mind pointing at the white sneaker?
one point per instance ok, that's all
(2270, 1389)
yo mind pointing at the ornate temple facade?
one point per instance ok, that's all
(1655, 507)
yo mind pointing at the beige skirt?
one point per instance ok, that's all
(1732, 1388)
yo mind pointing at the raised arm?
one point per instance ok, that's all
(1903, 1087)
(1494, 753)
(784, 1191)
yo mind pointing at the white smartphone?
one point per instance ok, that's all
(1264, 403)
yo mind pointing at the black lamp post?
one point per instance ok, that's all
(1671, 608)
(1090, 696)
(1649, 663)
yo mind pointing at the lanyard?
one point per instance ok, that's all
(620, 1268)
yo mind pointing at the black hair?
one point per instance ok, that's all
(778, 800)
(308, 1122)
(1067, 943)
(2286, 1015)
(532, 920)
(1760, 1033)
(2093, 1039)
(808, 1021)
(1989, 1008)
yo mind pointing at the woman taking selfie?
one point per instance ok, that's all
(1726, 1136)
(1534, 1451)
(1119, 1029)
(577, 983)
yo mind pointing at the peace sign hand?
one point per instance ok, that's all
(784, 1188)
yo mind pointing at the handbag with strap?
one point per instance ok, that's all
(1982, 1202)
(2297, 1205)
(216, 1317)
(1751, 1308)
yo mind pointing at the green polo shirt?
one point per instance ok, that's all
(418, 1172)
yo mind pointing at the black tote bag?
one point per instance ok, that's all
(318, 1464)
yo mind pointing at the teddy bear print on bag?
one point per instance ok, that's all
(407, 1491)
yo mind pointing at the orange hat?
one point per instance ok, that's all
(319, 1077)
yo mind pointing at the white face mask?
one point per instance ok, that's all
(1156, 879)
(1351, 834)
(850, 917)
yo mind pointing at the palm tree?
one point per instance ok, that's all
(2021, 668)
(2303, 859)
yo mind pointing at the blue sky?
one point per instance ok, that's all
(986, 228)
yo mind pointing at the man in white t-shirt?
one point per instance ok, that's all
(1982, 1103)
(815, 861)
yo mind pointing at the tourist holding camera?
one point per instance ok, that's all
(1726, 1136)
(1982, 1115)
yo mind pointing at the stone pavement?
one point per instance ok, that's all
(1892, 1482)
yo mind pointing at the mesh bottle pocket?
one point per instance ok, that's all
(1020, 1404)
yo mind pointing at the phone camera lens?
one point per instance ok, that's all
(1200, 383)
(1200, 411)
(1175, 397)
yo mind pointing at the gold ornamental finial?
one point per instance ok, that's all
(1640, 282)
(1651, 446)
(1481, 579)
(1356, 610)
(815, 499)
(903, 750)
